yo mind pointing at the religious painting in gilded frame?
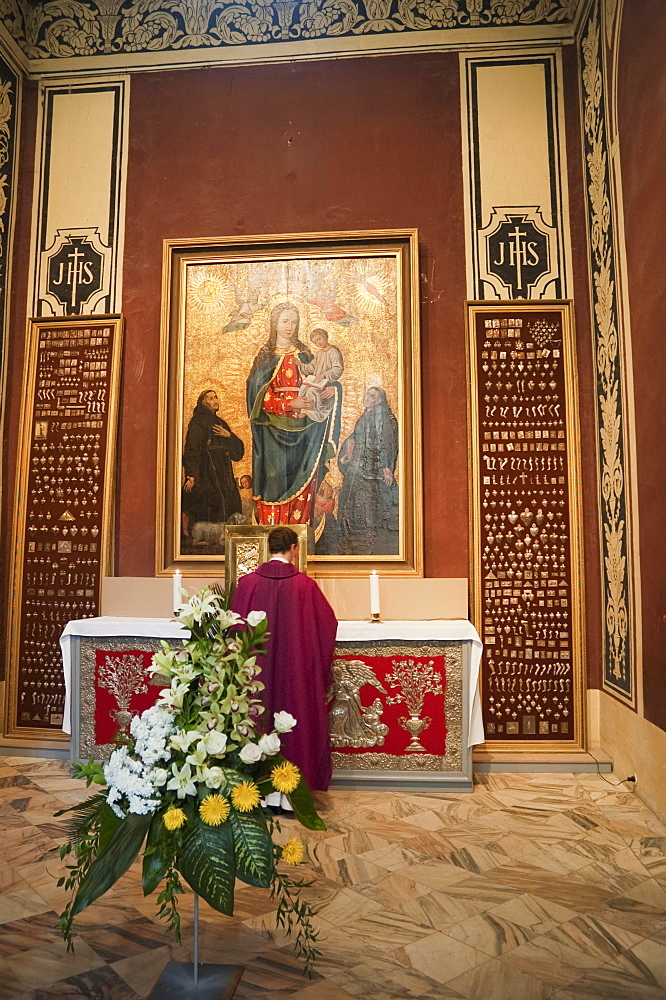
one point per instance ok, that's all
(290, 380)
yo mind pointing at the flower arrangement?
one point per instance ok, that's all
(186, 784)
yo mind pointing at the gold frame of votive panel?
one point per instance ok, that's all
(29, 431)
(564, 309)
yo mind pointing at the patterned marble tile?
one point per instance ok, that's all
(441, 958)
(434, 875)
(20, 904)
(566, 951)
(536, 887)
(393, 857)
(439, 911)
(10, 988)
(650, 956)
(387, 930)
(348, 906)
(652, 853)
(496, 980)
(91, 985)
(610, 983)
(124, 940)
(37, 967)
(322, 991)
(567, 891)
(394, 890)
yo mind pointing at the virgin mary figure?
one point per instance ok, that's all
(289, 450)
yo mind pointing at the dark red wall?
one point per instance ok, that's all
(642, 128)
(341, 145)
(334, 145)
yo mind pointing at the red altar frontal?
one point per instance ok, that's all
(403, 704)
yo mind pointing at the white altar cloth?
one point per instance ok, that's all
(455, 630)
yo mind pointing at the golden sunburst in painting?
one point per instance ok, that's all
(207, 294)
(373, 287)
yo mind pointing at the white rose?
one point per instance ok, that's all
(269, 744)
(212, 776)
(159, 776)
(255, 617)
(215, 743)
(250, 753)
(284, 722)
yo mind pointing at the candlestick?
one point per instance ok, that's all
(176, 597)
(374, 596)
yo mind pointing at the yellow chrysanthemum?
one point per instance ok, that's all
(285, 777)
(245, 796)
(292, 852)
(173, 819)
(214, 810)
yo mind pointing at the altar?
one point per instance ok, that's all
(404, 710)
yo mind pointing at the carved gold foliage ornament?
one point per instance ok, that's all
(66, 28)
(6, 111)
(617, 658)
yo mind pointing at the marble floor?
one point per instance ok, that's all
(535, 887)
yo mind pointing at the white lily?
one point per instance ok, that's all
(198, 758)
(228, 618)
(182, 782)
(184, 739)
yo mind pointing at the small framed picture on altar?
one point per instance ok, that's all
(290, 388)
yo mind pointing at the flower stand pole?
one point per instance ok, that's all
(185, 981)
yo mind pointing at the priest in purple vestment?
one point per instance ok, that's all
(299, 652)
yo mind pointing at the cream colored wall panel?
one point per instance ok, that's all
(79, 206)
(514, 171)
(513, 137)
(81, 160)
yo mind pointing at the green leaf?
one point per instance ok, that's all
(253, 848)
(155, 866)
(113, 862)
(108, 824)
(207, 863)
(304, 808)
(92, 772)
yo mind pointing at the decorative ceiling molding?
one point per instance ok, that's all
(87, 35)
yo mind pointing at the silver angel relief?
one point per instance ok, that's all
(353, 724)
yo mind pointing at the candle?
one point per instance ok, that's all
(374, 593)
(176, 598)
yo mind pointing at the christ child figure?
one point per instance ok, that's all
(326, 367)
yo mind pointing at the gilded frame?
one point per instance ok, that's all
(42, 737)
(224, 258)
(255, 535)
(564, 308)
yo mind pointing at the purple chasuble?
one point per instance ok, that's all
(297, 668)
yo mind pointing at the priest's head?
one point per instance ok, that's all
(283, 541)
